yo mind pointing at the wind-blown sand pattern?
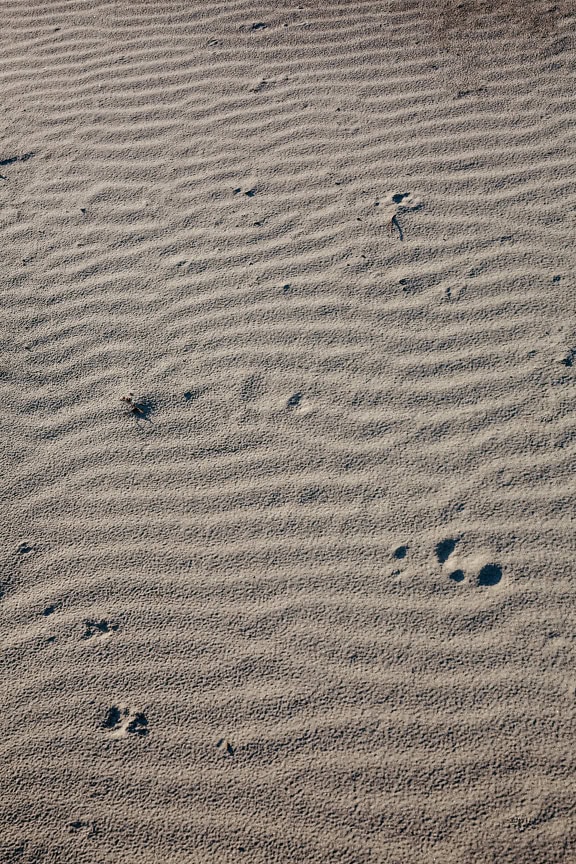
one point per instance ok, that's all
(309, 595)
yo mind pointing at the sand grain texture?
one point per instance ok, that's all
(313, 601)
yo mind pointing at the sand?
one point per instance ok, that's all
(309, 595)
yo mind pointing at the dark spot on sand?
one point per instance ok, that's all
(444, 549)
(294, 400)
(11, 159)
(192, 395)
(138, 724)
(490, 574)
(225, 747)
(112, 718)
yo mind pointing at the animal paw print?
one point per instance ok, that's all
(398, 203)
(85, 827)
(141, 408)
(99, 629)
(122, 721)
(444, 550)
(399, 554)
(482, 575)
(406, 200)
(298, 403)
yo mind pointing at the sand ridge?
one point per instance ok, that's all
(314, 599)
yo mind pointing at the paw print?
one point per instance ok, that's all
(121, 721)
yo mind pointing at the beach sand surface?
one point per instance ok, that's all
(288, 376)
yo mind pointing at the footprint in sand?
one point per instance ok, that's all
(225, 747)
(489, 574)
(85, 827)
(249, 192)
(98, 630)
(193, 395)
(121, 721)
(400, 552)
(263, 84)
(406, 200)
(142, 409)
(453, 291)
(397, 203)
(444, 549)
(298, 403)
(22, 157)
(483, 575)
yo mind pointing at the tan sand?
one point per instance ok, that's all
(313, 599)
